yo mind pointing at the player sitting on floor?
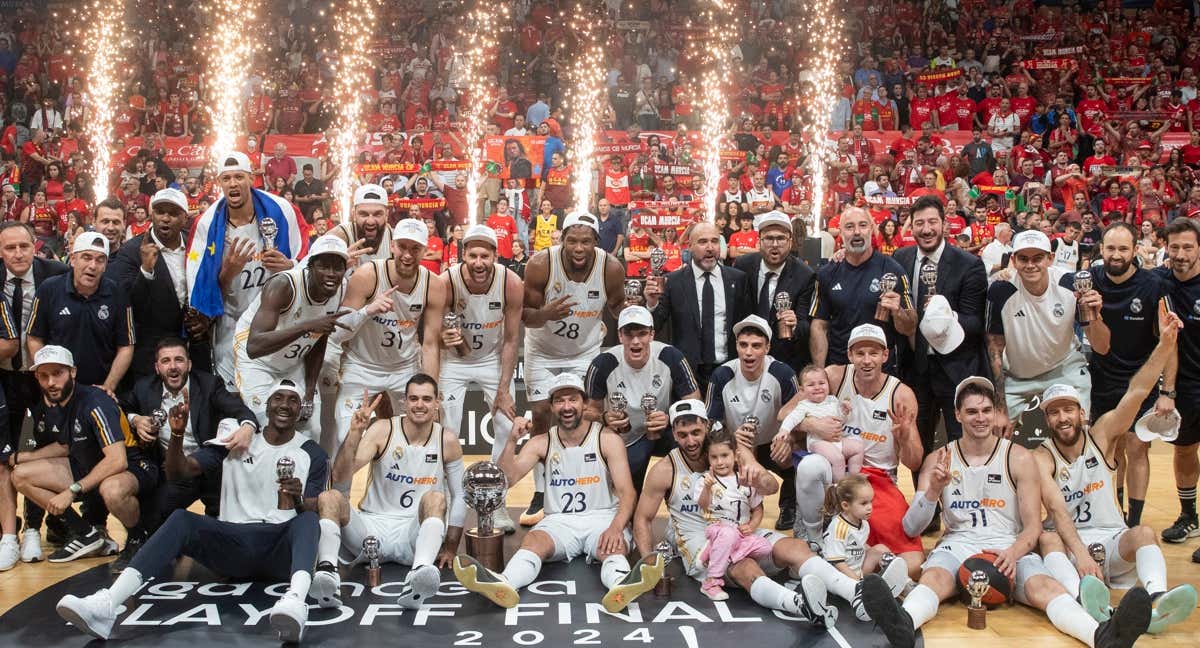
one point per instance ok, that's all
(844, 546)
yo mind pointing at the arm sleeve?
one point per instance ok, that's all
(352, 321)
(106, 418)
(919, 515)
(318, 470)
(833, 548)
(787, 381)
(819, 308)
(595, 383)
(124, 326)
(8, 327)
(39, 320)
(457, 510)
(716, 385)
(998, 294)
(972, 300)
(210, 458)
(683, 381)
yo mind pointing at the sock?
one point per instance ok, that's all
(330, 542)
(522, 569)
(301, 581)
(74, 523)
(429, 540)
(128, 582)
(921, 604)
(772, 595)
(1121, 497)
(1151, 568)
(613, 570)
(1135, 512)
(1070, 618)
(539, 478)
(1187, 500)
(835, 581)
(813, 532)
(1063, 571)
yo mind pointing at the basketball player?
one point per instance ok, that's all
(414, 490)
(283, 332)
(991, 495)
(367, 232)
(590, 498)
(567, 288)
(674, 479)
(394, 326)
(253, 539)
(1078, 461)
(229, 261)
(883, 416)
(488, 297)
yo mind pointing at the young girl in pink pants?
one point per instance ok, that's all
(734, 512)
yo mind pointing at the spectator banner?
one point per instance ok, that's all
(890, 201)
(682, 172)
(659, 214)
(409, 168)
(1110, 170)
(429, 204)
(932, 78)
(622, 148)
(1049, 64)
(1040, 38)
(1127, 80)
(519, 157)
(1051, 52)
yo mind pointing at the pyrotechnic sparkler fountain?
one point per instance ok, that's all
(103, 47)
(711, 98)
(354, 23)
(826, 34)
(230, 54)
(585, 100)
(478, 40)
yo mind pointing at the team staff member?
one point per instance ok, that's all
(10, 341)
(1130, 295)
(86, 313)
(848, 292)
(620, 379)
(253, 539)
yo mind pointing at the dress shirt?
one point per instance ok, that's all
(175, 260)
(720, 331)
(27, 293)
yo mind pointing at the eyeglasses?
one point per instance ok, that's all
(775, 240)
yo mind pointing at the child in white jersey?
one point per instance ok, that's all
(845, 455)
(733, 512)
(845, 546)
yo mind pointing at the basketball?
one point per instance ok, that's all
(1001, 588)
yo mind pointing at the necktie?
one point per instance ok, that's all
(707, 322)
(764, 297)
(921, 289)
(18, 307)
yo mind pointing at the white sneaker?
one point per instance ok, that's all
(896, 576)
(93, 614)
(420, 586)
(31, 546)
(288, 616)
(502, 521)
(325, 588)
(10, 552)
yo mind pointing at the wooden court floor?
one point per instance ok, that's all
(1005, 627)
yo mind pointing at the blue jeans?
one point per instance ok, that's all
(640, 452)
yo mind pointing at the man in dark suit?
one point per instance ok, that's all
(943, 356)
(775, 271)
(21, 274)
(218, 423)
(149, 268)
(701, 301)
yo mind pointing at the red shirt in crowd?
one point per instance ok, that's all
(506, 231)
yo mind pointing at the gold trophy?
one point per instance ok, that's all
(285, 468)
(1083, 283)
(484, 489)
(887, 284)
(783, 302)
(977, 588)
(371, 553)
(267, 229)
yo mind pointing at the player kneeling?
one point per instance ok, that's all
(589, 501)
(414, 491)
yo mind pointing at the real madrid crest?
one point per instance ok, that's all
(955, 476)
(1058, 310)
(398, 453)
(257, 401)
(686, 483)
(554, 458)
(78, 427)
(874, 286)
(718, 491)
(103, 312)
(1196, 307)
(557, 286)
(1064, 474)
(1135, 306)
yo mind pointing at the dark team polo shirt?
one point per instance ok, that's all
(8, 331)
(92, 328)
(846, 295)
(1131, 314)
(87, 423)
(1184, 298)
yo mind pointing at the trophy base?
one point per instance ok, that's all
(488, 550)
(662, 589)
(976, 618)
(373, 576)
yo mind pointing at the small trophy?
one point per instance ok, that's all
(887, 284)
(663, 588)
(633, 291)
(285, 468)
(453, 321)
(484, 489)
(1083, 283)
(928, 278)
(268, 229)
(371, 553)
(977, 587)
(783, 302)
(649, 405)
(158, 418)
(751, 421)
(1098, 553)
(306, 410)
(658, 259)
(619, 403)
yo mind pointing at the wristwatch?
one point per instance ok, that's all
(1169, 393)
(76, 490)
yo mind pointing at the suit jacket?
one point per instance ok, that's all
(43, 269)
(962, 280)
(208, 402)
(680, 306)
(156, 310)
(797, 280)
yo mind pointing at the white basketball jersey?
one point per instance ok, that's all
(483, 317)
(979, 504)
(389, 339)
(245, 287)
(846, 543)
(404, 472)
(870, 420)
(686, 521)
(729, 501)
(1087, 486)
(1066, 255)
(577, 478)
(302, 307)
(350, 232)
(580, 333)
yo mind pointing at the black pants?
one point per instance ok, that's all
(640, 451)
(935, 398)
(180, 494)
(255, 551)
(787, 490)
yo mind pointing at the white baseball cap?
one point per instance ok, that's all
(635, 315)
(973, 380)
(866, 333)
(171, 196)
(581, 218)
(940, 325)
(411, 229)
(688, 407)
(234, 161)
(1152, 427)
(566, 380)
(480, 232)
(90, 242)
(1060, 391)
(1030, 240)
(286, 385)
(770, 218)
(52, 354)
(753, 322)
(370, 194)
(329, 244)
